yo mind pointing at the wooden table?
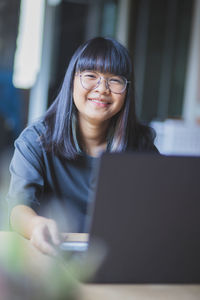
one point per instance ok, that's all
(37, 264)
(139, 292)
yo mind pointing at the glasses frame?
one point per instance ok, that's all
(106, 80)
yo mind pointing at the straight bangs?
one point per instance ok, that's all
(105, 56)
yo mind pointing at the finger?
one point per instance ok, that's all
(45, 247)
(64, 236)
(54, 233)
(39, 241)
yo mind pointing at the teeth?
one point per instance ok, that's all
(98, 101)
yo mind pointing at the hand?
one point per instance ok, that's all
(45, 236)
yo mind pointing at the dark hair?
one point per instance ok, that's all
(125, 132)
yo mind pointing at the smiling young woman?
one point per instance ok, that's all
(96, 103)
(54, 157)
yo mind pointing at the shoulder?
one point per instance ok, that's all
(32, 133)
(29, 152)
(30, 139)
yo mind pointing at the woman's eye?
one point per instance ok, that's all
(90, 76)
(116, 80)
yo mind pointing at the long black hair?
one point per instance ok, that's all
(125, 131)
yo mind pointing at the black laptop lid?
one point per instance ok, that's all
(147, 212)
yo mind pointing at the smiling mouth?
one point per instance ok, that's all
(101, 102)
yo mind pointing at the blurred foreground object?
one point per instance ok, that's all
(5, 157)
(25, 273)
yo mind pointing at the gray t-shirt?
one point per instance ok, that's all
(53, 186)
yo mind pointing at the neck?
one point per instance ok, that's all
(93, 137)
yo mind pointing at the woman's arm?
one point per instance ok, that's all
(26, 188)
(42, 232)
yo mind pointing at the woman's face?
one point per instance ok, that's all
(99, 104)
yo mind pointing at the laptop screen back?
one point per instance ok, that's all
(147, 212)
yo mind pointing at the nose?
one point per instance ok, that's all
(103, 85)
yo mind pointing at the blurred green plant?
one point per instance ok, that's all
(21, 278)
(27, 274)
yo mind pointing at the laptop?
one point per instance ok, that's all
(146, 215)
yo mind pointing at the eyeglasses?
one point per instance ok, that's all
(90, 80)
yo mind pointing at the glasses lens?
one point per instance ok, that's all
(89, 80)
(117, 84)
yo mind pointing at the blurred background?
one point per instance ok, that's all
(38, 38)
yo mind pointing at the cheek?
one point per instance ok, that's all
(121, 102)
(76, 92)
(75, 96)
